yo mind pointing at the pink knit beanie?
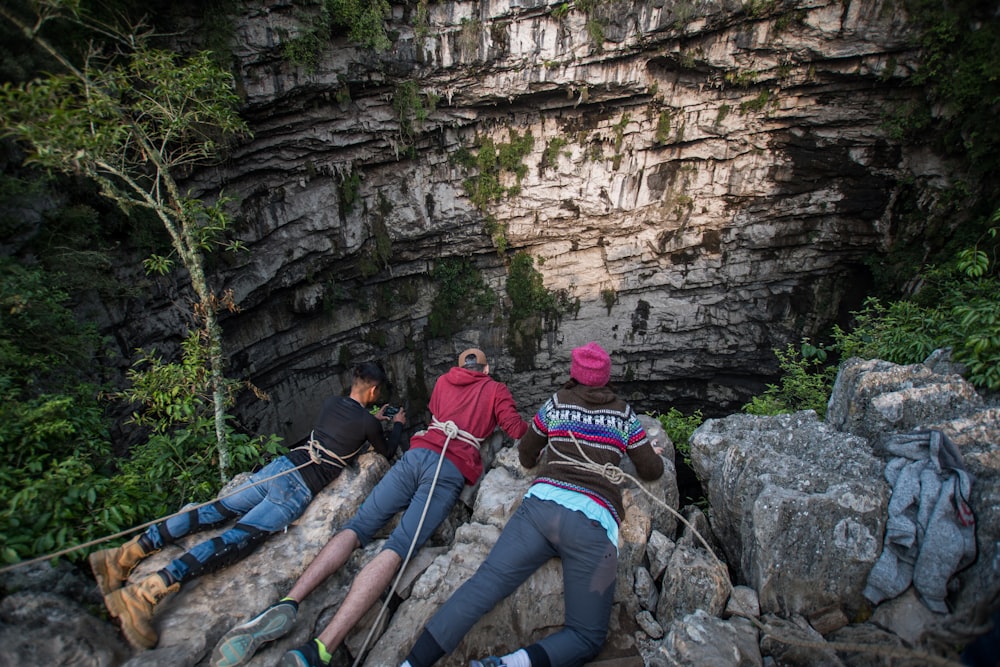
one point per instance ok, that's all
(591, 365)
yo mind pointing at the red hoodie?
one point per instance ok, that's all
(477, 404)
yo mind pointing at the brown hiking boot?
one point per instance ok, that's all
(111, 567)
(133, 607)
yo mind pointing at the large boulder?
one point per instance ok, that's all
(797, 506)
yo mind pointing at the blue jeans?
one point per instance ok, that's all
(540, 530)
(262, 509)
(405, 489)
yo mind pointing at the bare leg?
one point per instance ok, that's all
(330, 559)
(368, 585)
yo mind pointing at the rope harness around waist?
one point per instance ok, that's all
(452, 432)
(609, 471)
(319, 454)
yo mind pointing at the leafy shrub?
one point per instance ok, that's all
(494, 163)
(60, 484)
(804, 385)
(461, 294)
(50, 489)
(679, 427)
(956, 307)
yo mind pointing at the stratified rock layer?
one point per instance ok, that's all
(703, 183)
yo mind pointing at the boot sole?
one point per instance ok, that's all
(118, 609)
(239, 644)
(98, 565)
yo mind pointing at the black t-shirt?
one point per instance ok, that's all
(344, 427)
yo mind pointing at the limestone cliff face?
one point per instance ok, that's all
(703, 183)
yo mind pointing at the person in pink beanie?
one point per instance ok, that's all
(570, 511)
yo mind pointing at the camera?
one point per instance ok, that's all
(390, 411)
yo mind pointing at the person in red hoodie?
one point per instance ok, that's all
(466, 406)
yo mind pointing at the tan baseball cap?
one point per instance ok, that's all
(479, 354)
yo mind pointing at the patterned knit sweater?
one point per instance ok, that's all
(606, 429)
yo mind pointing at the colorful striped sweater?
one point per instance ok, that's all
(607, 430)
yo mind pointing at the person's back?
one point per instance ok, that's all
(586, 423)
(476, 403)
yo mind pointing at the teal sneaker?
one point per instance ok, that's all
(239, 644)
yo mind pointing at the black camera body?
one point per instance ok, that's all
(390, 411)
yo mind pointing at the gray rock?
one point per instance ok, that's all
(659, 549)
(866, 645)
(875, 398)
(792, 641)
(648, 623)
(743, 602)
(707, 641)
(645, 589)
(693, 580)
(38, 628)
(798, 508)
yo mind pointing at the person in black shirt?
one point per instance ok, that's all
(272, 498)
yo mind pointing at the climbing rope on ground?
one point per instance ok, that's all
(316, 454)
(615, 474)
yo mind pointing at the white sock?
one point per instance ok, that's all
(518, 658)
(406, 663)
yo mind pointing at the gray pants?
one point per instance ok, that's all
(538, 531)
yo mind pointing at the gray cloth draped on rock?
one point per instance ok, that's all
(930, 531)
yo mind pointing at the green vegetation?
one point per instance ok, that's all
(960, 73)
(527, 291)
(412, 106)
(61, 484)
(741, 78)
(662, 135)
(550, 156)
(759, 103)
(609, 296)
(804, 385)
(956, 308)
(759, 8)
(497, 232)
(468, 36)
(363, 22)
(461, 295)
(350, 192)
(679, 428)
(132, 125)
(532, 306)
(378, 247)
(595, 31)
(494, 164)
(421, 21)
(619, 129)
(951, 310)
